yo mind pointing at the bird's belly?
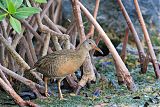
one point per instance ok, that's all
(67, 71)
(68, 68)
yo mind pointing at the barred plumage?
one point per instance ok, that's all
(61, 63)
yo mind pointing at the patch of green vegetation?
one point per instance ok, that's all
(6, 100)
(155, 40)
(148, 92)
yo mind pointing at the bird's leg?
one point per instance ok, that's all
(52, 81)
(59, 89)
(46, 86)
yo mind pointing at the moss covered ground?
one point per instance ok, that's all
(107, 93)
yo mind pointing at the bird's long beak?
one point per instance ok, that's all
(98, 49)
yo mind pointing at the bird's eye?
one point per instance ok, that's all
(90, 43)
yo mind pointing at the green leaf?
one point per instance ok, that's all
(15, 24)
(2, 7)
(41, 1)
(17, 3)
(11, 7)
(2, 16)
(20, 16)
(3, 2)
(24, 12)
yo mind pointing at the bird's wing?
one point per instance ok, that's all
(52, 58)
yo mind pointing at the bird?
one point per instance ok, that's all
(61, 63)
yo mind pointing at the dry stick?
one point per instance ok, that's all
(45, 29)
(46, 8)
(44, 11)
(3, 29)
(29, 37)
(2, 75)
(124, 71)
(46, 44)
(17, 38)
(15, 96)
(147, 38)
(28, 26)
(11, 66)
(88, 74)
(54, 27)
(78, 18)
(61, 28)
(38, 46)
(35, 26)
(8, 28)
(52, 10)
(72, 32)
(2, 49)
(71, 27)
(125, 41)
(32, 21)
(28, 53)
(51, 24)
(31, 47)
(141, 52)
(29, 40)
(57, 14)
(17, 57)
(14, 54)
(123, 54)
(91, 31)
(33, 86)
(22, 51)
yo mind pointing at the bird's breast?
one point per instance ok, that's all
(69, 67)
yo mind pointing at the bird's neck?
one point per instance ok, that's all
(82, 51)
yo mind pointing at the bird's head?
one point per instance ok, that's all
(89, 44)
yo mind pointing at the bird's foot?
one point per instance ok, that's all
(72, 94)
(46, 94)
(61, 98)
(43, 97)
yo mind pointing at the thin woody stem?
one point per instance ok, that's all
(148, 41)
(88, 74)
(125, 41)
(124, 71)
(91, 31)
(2, 75)
(141, 52)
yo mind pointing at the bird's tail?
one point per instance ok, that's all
(34, 75)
